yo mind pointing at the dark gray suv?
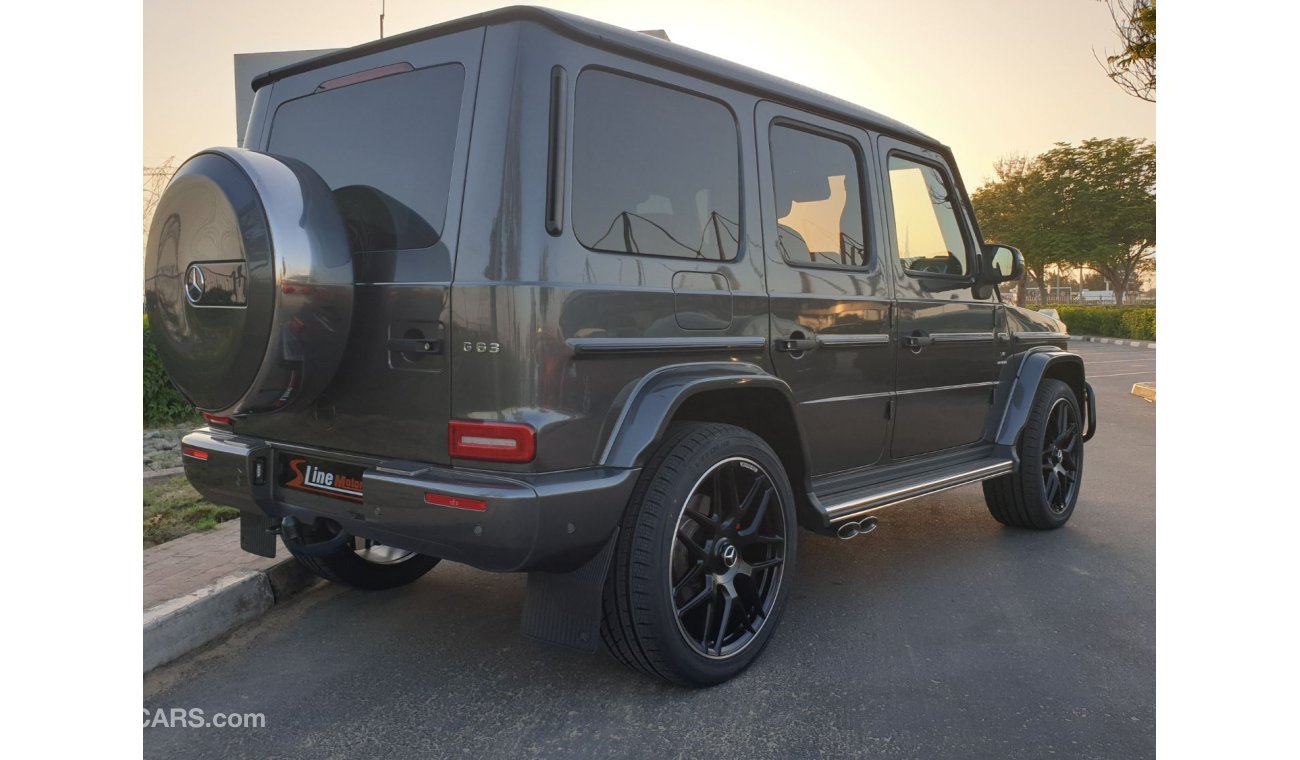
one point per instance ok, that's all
(533, 293)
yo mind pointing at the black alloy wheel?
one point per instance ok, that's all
(1060, 461)
(728, 557)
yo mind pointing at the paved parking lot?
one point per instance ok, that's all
(943, 634)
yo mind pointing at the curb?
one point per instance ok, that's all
(1116, 341)
(1144, 390)
(179, 626)
(170, 472)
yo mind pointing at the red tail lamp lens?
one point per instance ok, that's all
(491, 441)
(216, 419)
(195, 453)
(455, 502)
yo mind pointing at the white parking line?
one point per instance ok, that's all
(1119, 374)
(1123, 361)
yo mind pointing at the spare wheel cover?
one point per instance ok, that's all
(249, 282)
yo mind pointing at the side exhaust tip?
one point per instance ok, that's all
(854, 529)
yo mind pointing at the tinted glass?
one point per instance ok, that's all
(925, 220)
(655, 170)
(818, 204)
(385, 147)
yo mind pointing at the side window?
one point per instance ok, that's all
(655, 170)
(925, 220)
(817, 189)
(385, 148)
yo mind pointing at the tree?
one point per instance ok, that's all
(1016, 209)
(155, 181)
(1092, 205)
(1133, 68)
(1105, 198)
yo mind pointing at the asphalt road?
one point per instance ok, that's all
(943, 634)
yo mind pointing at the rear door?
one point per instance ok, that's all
(947, 352)
(829, 293)
(389, 134)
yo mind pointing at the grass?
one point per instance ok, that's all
(172, 508)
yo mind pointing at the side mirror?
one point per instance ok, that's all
(1003, 263)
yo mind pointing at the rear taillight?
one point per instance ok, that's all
(190, 451)
(217, 419)
(491, 441)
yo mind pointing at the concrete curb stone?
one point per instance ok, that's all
(179, 626)
(1144, 390)
(1116, 341)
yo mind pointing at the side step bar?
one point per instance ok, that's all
(850, 505)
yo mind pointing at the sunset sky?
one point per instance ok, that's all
(989, 78)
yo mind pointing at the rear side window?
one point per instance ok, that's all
(655, 170)
(817, 188)
(385, 147)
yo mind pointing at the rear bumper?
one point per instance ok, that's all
(550, 521)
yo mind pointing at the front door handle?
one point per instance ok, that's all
(917, 340)
(795, 345)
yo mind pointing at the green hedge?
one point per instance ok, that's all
(163, 404)
(1136, 322)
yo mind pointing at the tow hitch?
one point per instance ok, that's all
(291, 529)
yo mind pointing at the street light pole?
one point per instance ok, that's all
(383, 6)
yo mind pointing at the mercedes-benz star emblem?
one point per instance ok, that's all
(194, 283)
(729, 555)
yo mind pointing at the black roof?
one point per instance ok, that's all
(633, 44)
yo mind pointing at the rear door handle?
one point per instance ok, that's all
(917, 340)
(795, 345)
(415, 345)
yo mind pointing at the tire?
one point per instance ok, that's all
(1050, 448)
(364, 565)
(678, 568)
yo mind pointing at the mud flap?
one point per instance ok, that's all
(563, 609)
(255, 536)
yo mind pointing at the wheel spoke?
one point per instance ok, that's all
(751, 605)
(708, 617)
(774, 562)
(706, 594)
(758, 539)
(691, 575)
(1052, 486)
(702, 520)
(758, 518)
(1066, 436)
(690, 544)
(734, 492)
(722, 624)
(715, 505)
(748, 501)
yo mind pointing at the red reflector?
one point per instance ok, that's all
(192, 452)
(491, 441)
(455, 502)
(217, 419)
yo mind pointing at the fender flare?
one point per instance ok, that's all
(649, 405)
(1021, 376)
